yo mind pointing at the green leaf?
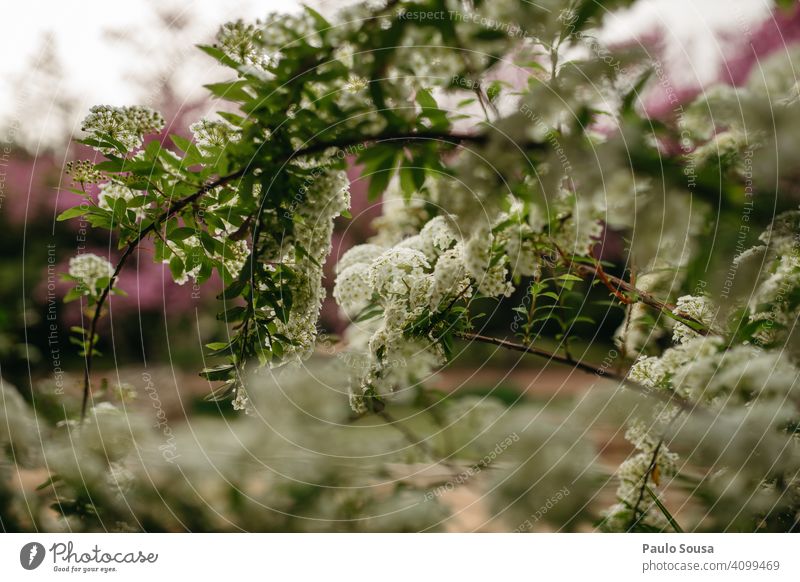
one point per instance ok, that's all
(233, 314)
(368, 313)
(664, 510)
(221, 372)
(380, 172)
(231, 91)
(73, 294)
(176, 267)
(73, 212)
(220, 56)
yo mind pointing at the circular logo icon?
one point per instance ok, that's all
(31, 555)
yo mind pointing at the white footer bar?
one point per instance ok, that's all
(400, 557)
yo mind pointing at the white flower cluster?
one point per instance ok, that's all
(400, 218)
(698, 308)
(771, 303)
(243, 44)
(325, 198)
(211, 134)
(111, 192)
(492, 278)
(127, 125)
(648, 371)
(519, 246)
(407, 281)
(419, 266)
(637, 472)
(89, 269)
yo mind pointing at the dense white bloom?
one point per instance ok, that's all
(648, 371)
(359, 255)
(281, 30)
(89, 269)
(234, 255)
(127, 125)
(521, 251)
(243, 44)
(400, 219)
(636, 471)
(209, 134)
(436, 236)
(698, 308)
(492, 280)
(396, 271)
(190, 254)
(690, 364)
(325, 196)
(449, 278)
(353, 291)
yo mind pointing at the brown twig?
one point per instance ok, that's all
(669, 397)
(616, 285)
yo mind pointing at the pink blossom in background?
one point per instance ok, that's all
(700, 44)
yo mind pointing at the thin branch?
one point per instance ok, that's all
(536, 352)
(668, 397)
(635, 515)
(610, 281)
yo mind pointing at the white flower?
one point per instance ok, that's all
(698, 308)
(449, 278)
(189, 257)
(243, 43)
(209, 134)
(520, 250)
(436, 236)
(110, 192)
(492, 280)
(127, 125)
(648, 371)
(89, 269)
(396, 271)
(234, 256)
(242, 401)
(358, 255)
(352, 291)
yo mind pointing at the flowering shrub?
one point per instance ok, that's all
(492, 191)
